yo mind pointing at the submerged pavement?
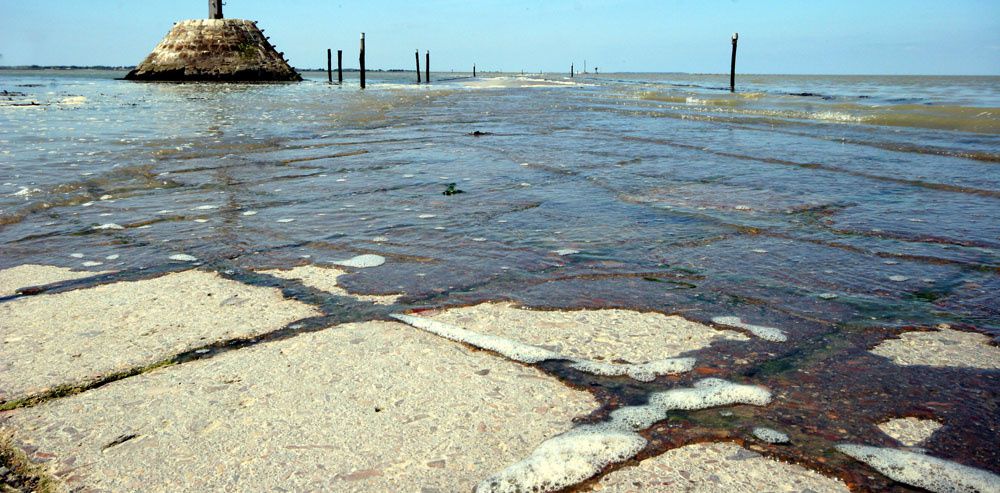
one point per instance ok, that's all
(370, 406)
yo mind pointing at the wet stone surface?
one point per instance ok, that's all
(72, 338)
(357, 407)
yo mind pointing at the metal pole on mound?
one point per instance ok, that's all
(215, 9)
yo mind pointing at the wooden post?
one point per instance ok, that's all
(329, 65)
(571, 71)
(427, 68)
(340, 66)
(473, 69)
(732, 67)
(417, 55)
(361, 60)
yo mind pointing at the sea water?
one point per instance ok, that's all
(874, 195)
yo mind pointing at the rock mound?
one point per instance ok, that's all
(215, 50)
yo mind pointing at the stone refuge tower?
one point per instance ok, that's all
(215, 50)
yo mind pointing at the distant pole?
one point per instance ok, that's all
(732, 67)
(329, 65)
(571, 71)
(427, 68)
(473, 69)
(340, 66)
(417, 55)
(361, 60)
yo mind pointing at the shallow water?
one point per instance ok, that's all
(837, 208)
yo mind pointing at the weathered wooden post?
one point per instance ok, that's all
(329, 65)
(340, 66)
(215, 9)
(571, 71)
(732, 67)
(417, 55)
(361, 60)
(473, 69)
(427, 68)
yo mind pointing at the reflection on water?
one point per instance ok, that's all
(838, 208)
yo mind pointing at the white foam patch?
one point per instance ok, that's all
(579, 454)
(924, 471)
(108, 226)
(565, 251)
(761, 331)
(770, 436)
(566, 460)
(526, 353)
(514, 350)
(183, 257)
(711, 392)
(644, 372)
(362, 261)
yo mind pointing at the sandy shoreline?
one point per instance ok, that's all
(374, 405)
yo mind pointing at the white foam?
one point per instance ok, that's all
(183, 257)
(770, 436)
(362, 261)
(566, 460)
(205, 207)
(526, 353)
(924, 471)
(761, 331)
(643, 372)
(91, 263)
(575, 456)
(514, 350)
(565, 251)
(250, 213)
(109, 226)
(711, 392)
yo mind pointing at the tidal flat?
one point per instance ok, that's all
(645, 284)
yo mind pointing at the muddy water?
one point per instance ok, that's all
(840, 209)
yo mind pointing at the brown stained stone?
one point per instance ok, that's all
(215, 50)
(75, 337)
(374, 406)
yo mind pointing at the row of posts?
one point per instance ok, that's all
(361, 63)
(427, 65)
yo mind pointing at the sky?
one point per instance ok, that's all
(927, 37)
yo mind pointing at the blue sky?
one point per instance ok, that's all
(776, 36)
